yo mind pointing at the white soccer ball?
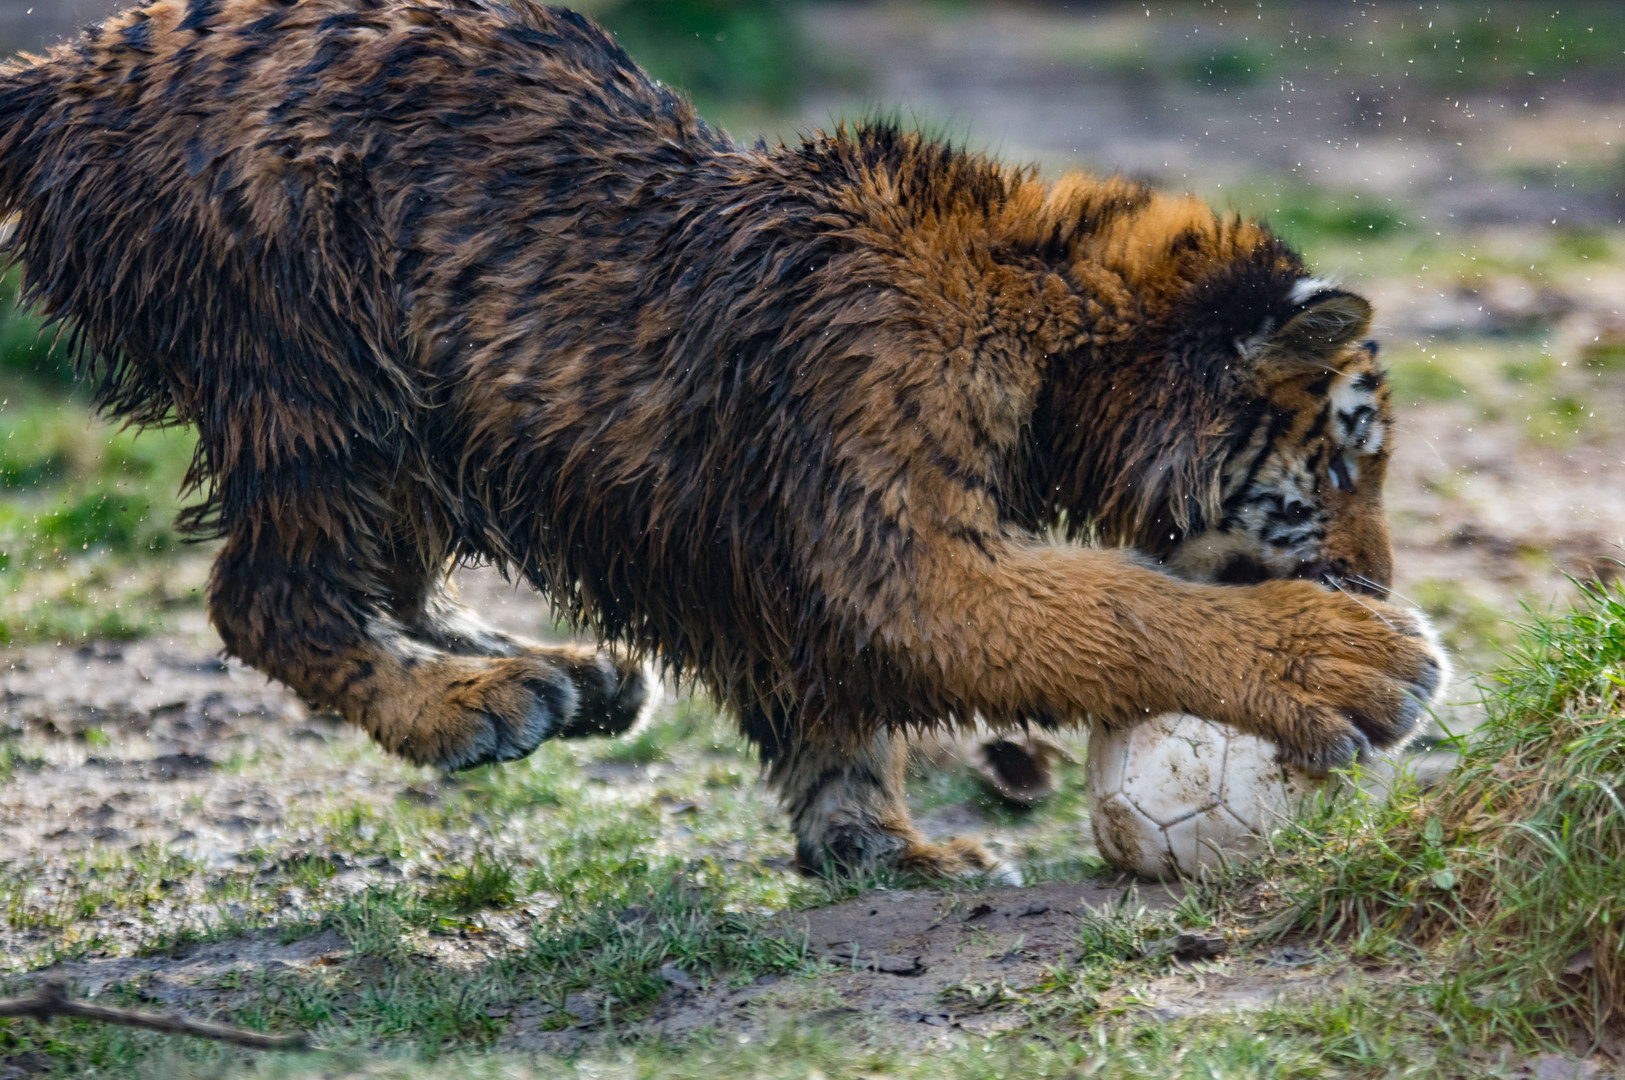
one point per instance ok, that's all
(1174, 795)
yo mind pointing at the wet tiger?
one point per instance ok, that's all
(825, 426)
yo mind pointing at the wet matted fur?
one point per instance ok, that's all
(823, 426)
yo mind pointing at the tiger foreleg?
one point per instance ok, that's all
(1067, 632)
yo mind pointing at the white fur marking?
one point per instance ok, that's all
(1308, 287)
(1351, 403)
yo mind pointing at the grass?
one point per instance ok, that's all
(25, 350)
(579, 892)
(1508, 872)
(1604, 356)
(1466, 48)
(589, 896)
(1418, 379)
(390, 991)
(1447, 48)
(85, 506)
(1475, 631)
(13, 761)
(1442, 49)
(1363, 1033)
(484, 882)
(588, 916)
(1305, 217)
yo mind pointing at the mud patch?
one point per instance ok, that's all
(902, 968)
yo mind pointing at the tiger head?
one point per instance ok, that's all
(1300, 475)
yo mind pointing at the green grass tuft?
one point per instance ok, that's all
(1510, 870)
(1604, 355)
(1424, 381)
(486, 882)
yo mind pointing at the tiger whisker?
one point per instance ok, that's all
(1412, 432)
(1361, 579)
(1338, 585)
(1387, 591)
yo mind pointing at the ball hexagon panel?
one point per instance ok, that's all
(1205, 840)
(1251, 787)
(1172, 768)
(1177, 795)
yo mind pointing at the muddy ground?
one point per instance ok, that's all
(160, 741)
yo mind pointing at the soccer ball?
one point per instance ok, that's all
(1174, 795)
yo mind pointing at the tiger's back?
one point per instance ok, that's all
(279, 213)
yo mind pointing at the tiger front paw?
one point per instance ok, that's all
(1333, 677)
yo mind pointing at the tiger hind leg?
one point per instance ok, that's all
(424, 678)
(437, 617)
(847, 807)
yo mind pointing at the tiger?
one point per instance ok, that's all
(864, 434)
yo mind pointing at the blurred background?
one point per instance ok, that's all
(1460, 163)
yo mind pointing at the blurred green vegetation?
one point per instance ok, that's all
(1228, 69)
(83, 504)
(1604, 355)
(24, 348)
(1416, 377)
(728, 55)
(1447, 47)
(1308, 216)
(1476, 46)
(747, 57)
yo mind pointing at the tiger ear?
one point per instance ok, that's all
(1315, 335)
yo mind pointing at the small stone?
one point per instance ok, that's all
(421, 794)
(1199, 945)
(678, 978)
(636, 915)
(899, 965)
(1580, 963)
(1558, 1067)
(583, 1008)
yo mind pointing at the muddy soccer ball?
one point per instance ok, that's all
(1174, 795)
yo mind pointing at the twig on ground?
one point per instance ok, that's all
(51, 1000)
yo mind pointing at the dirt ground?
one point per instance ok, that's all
(161, 741)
